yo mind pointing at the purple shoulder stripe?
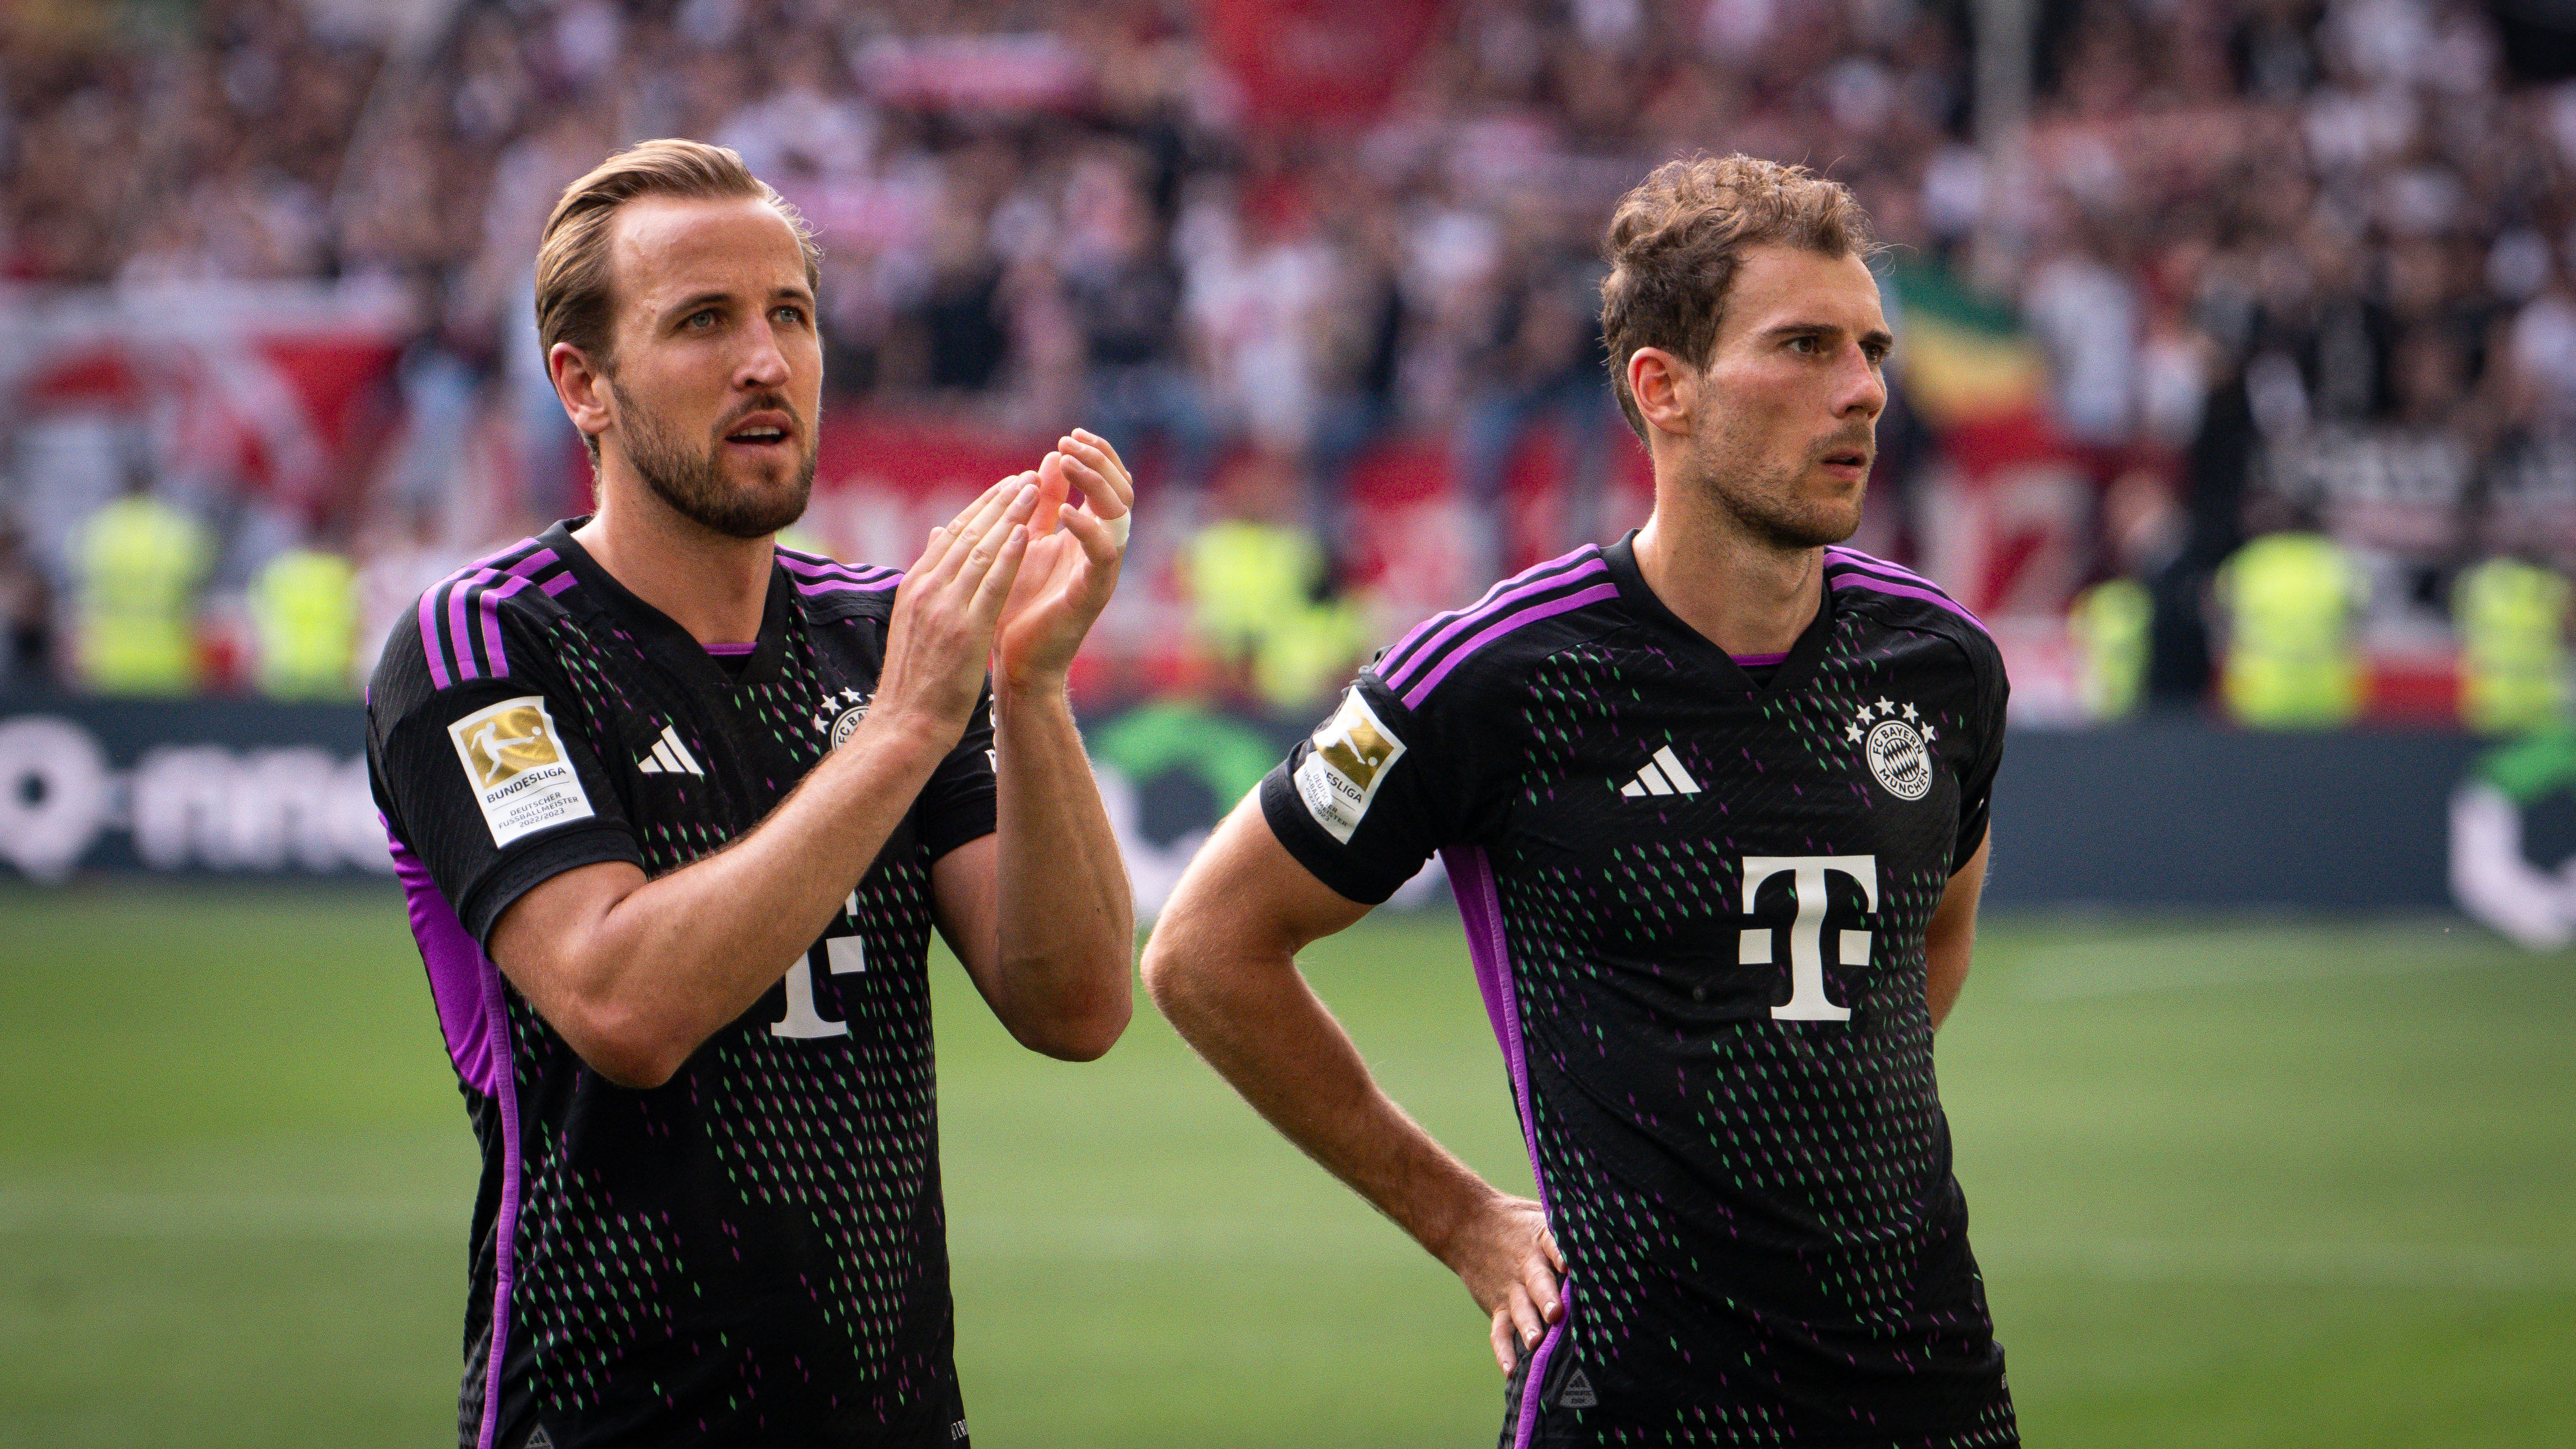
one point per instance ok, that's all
(1403, 657)
(1544, 609)
(813, 574)
(1844, 575)
(1835, 554)
(448, 610)
(1513, 598)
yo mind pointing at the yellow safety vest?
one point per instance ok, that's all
(2110, 623)
(2513, 646)
(305, 608)
(2291, 664)
(1252, 586)
(141, 563)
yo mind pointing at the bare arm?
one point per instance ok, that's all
(636, 973)
(1040, 912)
(1951, 936)
(1222, 965)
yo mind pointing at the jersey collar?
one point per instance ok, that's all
(1693, 645)
(662, 637)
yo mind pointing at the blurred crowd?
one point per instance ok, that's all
(2288, 265)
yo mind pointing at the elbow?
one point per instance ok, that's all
(1082, 1015)
(623, 1048)
(1081, 1035)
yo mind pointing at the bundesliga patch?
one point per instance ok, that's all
(1353, 752)
(515, 762)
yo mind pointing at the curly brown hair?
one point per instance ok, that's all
(1677, 236)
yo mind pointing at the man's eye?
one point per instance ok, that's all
(1802, 344)
(701, 320)
(791, 314)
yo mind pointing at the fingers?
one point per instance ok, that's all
(1094, 466)
(1501, 1338)
(1540, 1285)
(1099, 545)
(1053, 489)
(1005, 570)
(975, 569)
(994, 511)
(1527, 1322)
(1547, 1245)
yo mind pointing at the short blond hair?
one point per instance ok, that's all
(1677, 237)
(573, 281)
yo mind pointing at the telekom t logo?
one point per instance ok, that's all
(1807, 933)
(842, 955)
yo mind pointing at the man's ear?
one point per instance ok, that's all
(1666, 390)
(582, 386)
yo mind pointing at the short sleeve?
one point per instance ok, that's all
(1977, 784)
(957, 806)
(1366, 799)
(481, 781)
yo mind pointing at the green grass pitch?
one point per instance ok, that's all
(2234, 1183)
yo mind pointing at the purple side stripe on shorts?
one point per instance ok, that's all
(467, 990)
(1398, 663)
(1414, 697)
(505, 1258)
(1855, 579)
(1480, 910)
(455, 965)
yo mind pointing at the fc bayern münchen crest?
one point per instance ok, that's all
(1899, 752)
(855, 710)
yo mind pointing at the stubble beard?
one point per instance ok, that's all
(1760, 495)
(693, 483)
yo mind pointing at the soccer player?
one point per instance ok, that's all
(677, 810)
(1713, 800)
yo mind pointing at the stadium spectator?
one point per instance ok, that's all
(2255, 239)
(26, 613)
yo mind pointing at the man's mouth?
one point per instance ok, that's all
(1854, 461)
(764, 429)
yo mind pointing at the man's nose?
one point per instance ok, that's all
(764, 363)
(1862, 387)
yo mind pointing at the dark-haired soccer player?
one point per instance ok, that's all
(677, 811)
(1714, 802)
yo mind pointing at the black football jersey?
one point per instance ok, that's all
(752, 1253)
(1696, 904)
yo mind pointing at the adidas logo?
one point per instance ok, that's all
(539, 1440)
(1577, 1393)
(670, 757)
(1663, 775)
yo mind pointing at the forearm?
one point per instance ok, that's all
(1257, 1022)
(670, 963)
(1064, 915)
(1950, 938)
(1945, 967)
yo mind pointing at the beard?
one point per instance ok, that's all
(1764, 498)
(694, 484)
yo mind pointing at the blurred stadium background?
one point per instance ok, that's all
(2236, 389)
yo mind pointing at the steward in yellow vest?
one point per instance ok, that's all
(2110, 623)
(141, 564)
(304, 606)
(2512, 618)
(2290, 601)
